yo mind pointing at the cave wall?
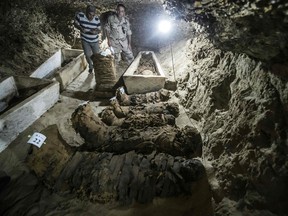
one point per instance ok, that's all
(241, 107)
(235, 88)
(258, 28)
(27, 38)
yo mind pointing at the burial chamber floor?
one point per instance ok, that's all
(25, 189)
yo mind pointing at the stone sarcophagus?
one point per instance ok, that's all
(22, 101)
(144, 74)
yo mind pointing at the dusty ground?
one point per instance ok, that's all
(56, 125)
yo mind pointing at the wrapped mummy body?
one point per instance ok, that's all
(98, 136)
(159, 108)
(140, 116)
(138, 99)
(141, 120)
(129, 177)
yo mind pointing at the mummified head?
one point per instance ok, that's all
(83, 108)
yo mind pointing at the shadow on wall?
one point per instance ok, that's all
(221, 93)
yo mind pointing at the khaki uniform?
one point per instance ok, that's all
(118, 32)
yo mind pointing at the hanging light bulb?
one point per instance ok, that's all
(164, 26)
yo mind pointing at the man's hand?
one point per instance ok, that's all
(92, 31)
(79, 27)
(95, 31)
(82, 30)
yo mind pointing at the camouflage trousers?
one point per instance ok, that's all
(121, 46)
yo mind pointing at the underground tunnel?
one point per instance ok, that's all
(195, 124)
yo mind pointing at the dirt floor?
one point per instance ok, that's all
(31, 194)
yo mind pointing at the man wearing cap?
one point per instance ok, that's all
(89, 26)
(118, 34)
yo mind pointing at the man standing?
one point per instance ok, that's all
(89, 26)
(118, 34)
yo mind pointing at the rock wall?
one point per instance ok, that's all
(27, 39)
(240, 106)
(257, 28)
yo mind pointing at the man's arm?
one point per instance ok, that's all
(77, 23)
(78, 26)
(96, 30)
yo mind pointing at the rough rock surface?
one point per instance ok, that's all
(240, 107)
(27, 39)
(257, 28)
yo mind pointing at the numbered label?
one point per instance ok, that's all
(113, 99)
(122, 91)
(37, 139)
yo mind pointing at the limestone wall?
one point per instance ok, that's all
(240, 105)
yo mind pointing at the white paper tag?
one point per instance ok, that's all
(106, 52)
(83, 104)
(112, 99)
(37, 139)
(122, 91)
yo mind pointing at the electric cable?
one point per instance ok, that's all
(174, 74)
